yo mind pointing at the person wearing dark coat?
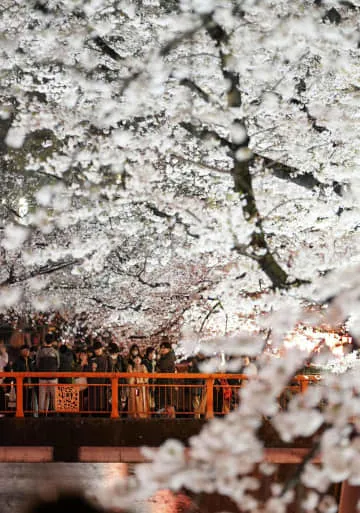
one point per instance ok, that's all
(166, 362)
(117, 364)
(98, 395)
(165, 391)
(198, 394)
(149, 359)
(66, 363)
(101, 360)
(24, 364)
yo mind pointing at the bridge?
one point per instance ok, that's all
(90, 422)
(94, 418)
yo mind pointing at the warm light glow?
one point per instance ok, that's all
(309, 339)
(165, 501)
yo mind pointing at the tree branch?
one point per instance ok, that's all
(277, 168)
(195, 88)
(41, 271)
(106, 49)
(221, 39)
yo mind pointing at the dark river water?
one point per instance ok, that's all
(20, 481)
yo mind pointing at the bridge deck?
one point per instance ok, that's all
(67, 436)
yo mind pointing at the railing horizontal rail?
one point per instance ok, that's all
(148, 375)
(128, 394)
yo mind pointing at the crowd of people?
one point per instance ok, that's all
(138, 397)
(53, 357)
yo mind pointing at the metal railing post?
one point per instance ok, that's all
(209, 398)
(114, 398)
(19, 397)
(304, 383)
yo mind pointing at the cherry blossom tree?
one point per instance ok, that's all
(192, 164)
(187, 136)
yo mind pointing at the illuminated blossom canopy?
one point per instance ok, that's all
(203, 170)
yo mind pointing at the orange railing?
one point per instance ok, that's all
(136, 395)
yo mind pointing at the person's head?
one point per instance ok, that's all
(137, 360)
(98, 348)
(35, 340)
(134, 350)
(246, 361)
(83, 355)
(49, 339)
(33, 350)
(165, 347)
(65, 501)
(77, 353)
(150, 353)
(63, 349)
(25, 351)
(113, 350)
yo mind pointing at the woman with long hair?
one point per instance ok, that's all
(134, 351)
(138, 401)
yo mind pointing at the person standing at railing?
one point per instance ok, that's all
(4, 359)
(117, 364)
(99, 395)
(249, 368)
(198, 393)
(35, 381)
(134, 351)
(47, 360)
(138, 400)
(66, 362)
(222, 396)
(166, 387)
(9, 385)
(25, 364)
(149, 361)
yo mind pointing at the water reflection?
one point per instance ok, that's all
(19, 482)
